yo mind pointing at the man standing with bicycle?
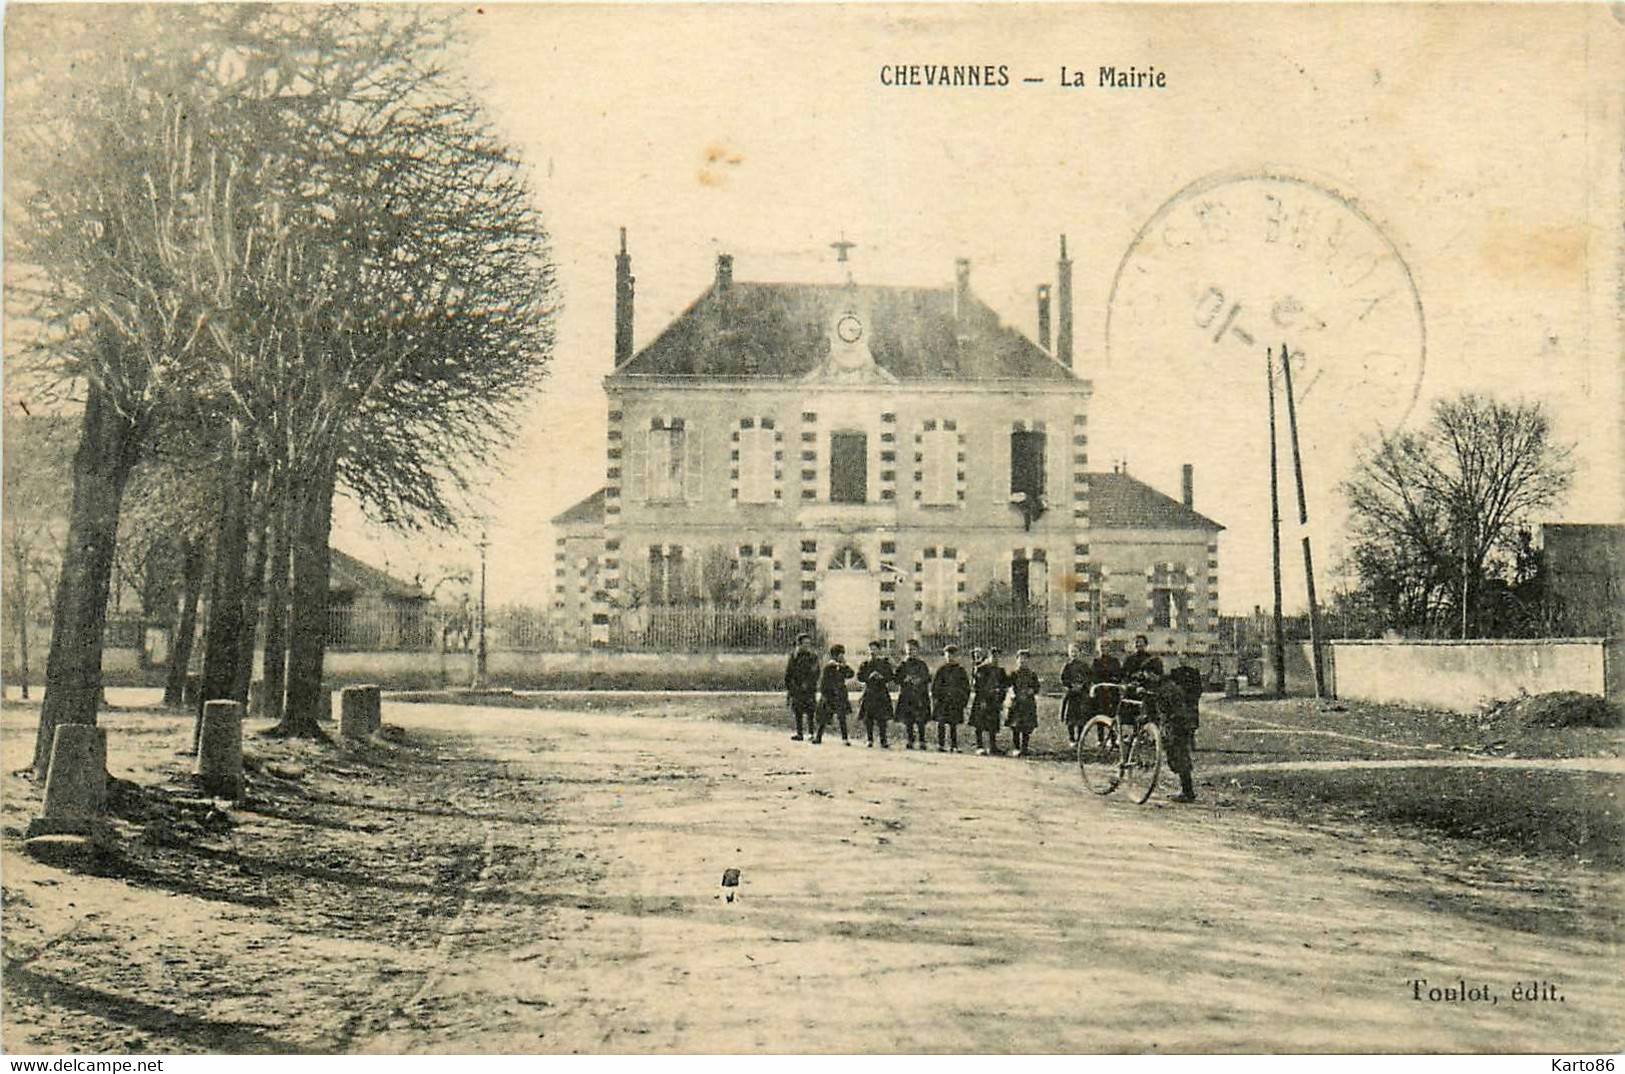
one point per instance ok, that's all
(1142, 665)
(1178, 701)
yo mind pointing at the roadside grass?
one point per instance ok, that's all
(1555, 814)
(1495, 733)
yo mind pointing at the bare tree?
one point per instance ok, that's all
(34, 515)
(728, 581)
(1437, 512)
(293, 227)
(100, 174)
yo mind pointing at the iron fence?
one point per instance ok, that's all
(705, 629)
(1007, 630)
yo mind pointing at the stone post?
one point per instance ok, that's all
(220, 750)
(355, 711)
(75, 785)
(375, 706)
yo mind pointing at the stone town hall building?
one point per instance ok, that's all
(878, 457)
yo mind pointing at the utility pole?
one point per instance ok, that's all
(1303, 520)
(1275, 535)
(479, 652)
(1466, 538)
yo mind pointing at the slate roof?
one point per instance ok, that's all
(781, 330)
(1118, 501)
(589, 511)
(346, 574)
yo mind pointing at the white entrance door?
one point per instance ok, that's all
(849, 612)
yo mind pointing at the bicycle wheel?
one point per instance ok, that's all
(1099, 758)
(1142, 762)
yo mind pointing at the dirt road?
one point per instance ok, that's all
(898, 901)
(526, 881)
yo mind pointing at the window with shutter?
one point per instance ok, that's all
(756, 466)
(666, 462)
(693, 480)
(937, 593)
(659, 593)
(635, 484)
(1027, 471)
(939, 468)
(1037, 583)
(676, 582)
(1019, 581)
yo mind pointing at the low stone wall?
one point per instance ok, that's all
(562, 671)
(1462, 676)
(120, 667)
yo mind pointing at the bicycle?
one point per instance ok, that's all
(1123, 749)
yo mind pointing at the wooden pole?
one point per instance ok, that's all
(1303, 520)
(1275, 535)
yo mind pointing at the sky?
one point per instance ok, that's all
(1425, 200)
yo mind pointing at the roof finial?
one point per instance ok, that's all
(841, 249)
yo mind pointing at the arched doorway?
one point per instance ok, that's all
(849, 611)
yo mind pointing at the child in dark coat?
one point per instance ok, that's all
(950, 691)
(913, 693)
(801, 684)
(1076, 678)
(1023, 720)
(988, 706)
(832, 699)
(875, 708)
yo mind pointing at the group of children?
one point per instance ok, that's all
(818, 697)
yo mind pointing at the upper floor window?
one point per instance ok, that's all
(849, 467)
(667, 456)
(664, 462)
(939, 467)
(756, 461)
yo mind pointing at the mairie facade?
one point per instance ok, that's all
(880, 462)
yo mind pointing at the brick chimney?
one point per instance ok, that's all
(1188, 484)
(624, 282)
(725, 273)
(1063, 287)
(1043, 315)
(961, 287)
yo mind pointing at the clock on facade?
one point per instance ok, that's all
(849, 328)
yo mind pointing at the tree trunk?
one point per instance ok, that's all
(180, 649)
(308, 627)
(108, 441)
(254, 586)
(225, 624)
(275, 668)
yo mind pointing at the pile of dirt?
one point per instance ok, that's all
(1564, 708)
